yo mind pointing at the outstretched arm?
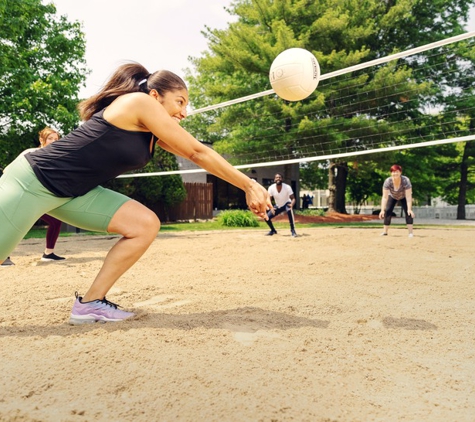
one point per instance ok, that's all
(177, 140)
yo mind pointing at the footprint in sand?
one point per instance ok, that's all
(161, 302)
(247, 335)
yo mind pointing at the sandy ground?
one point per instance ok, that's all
(338, 324)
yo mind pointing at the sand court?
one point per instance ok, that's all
(338, 324)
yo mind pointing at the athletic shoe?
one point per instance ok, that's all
(96, 311)
(293, 233)
(383, 234)
(51, 257)
(271, 233)
(7, 263)
(411, 235)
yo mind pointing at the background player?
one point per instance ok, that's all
(284, 199)
(397, 188)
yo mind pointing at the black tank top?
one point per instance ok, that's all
(92, 154)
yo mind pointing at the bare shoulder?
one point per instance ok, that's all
(125, 111)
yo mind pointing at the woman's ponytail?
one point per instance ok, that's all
(126, 79)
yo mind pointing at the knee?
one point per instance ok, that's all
(145, 226)
(149, 224)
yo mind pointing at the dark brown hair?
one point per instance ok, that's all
(130, 77)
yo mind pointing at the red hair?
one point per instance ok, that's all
(396, 167)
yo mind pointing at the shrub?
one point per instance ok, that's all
(237, 218)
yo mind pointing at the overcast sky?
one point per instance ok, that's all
(160, 34)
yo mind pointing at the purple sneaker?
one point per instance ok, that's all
(96, 311)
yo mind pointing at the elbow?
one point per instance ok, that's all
(196, 157)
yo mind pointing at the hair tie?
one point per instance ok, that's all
(143, 84)
(145, 79)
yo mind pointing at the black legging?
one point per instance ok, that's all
(52, 234)
(390, 207)
(279, 210)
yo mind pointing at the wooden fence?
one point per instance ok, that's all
(198, 204)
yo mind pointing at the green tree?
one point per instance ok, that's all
(340, 34)
(363, 181)
(42, 68)
(314, 175)
(459, 103)
(159, 193)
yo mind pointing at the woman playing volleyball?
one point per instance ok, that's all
(124, 121)
(396, 188)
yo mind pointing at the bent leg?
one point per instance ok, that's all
(52, 234)
(105, 210)
(270, 216)
(389, 210)
(290, 215)
(23, 199)
(388, 214)
(409, 219)
(139, 226)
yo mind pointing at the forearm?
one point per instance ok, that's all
(205, 157)
(257, 198)
(212, 162)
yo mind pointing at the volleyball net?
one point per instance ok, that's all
(417, 98)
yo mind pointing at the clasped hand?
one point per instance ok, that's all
(258, 200)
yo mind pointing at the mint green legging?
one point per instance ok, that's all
(23, 200)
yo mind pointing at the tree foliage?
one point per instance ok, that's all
(340, 33)
(42, 68)
(156, 192)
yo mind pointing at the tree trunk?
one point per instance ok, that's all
(462, 197)
(288, 173)
(337, 175)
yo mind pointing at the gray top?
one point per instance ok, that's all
(401, 192)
